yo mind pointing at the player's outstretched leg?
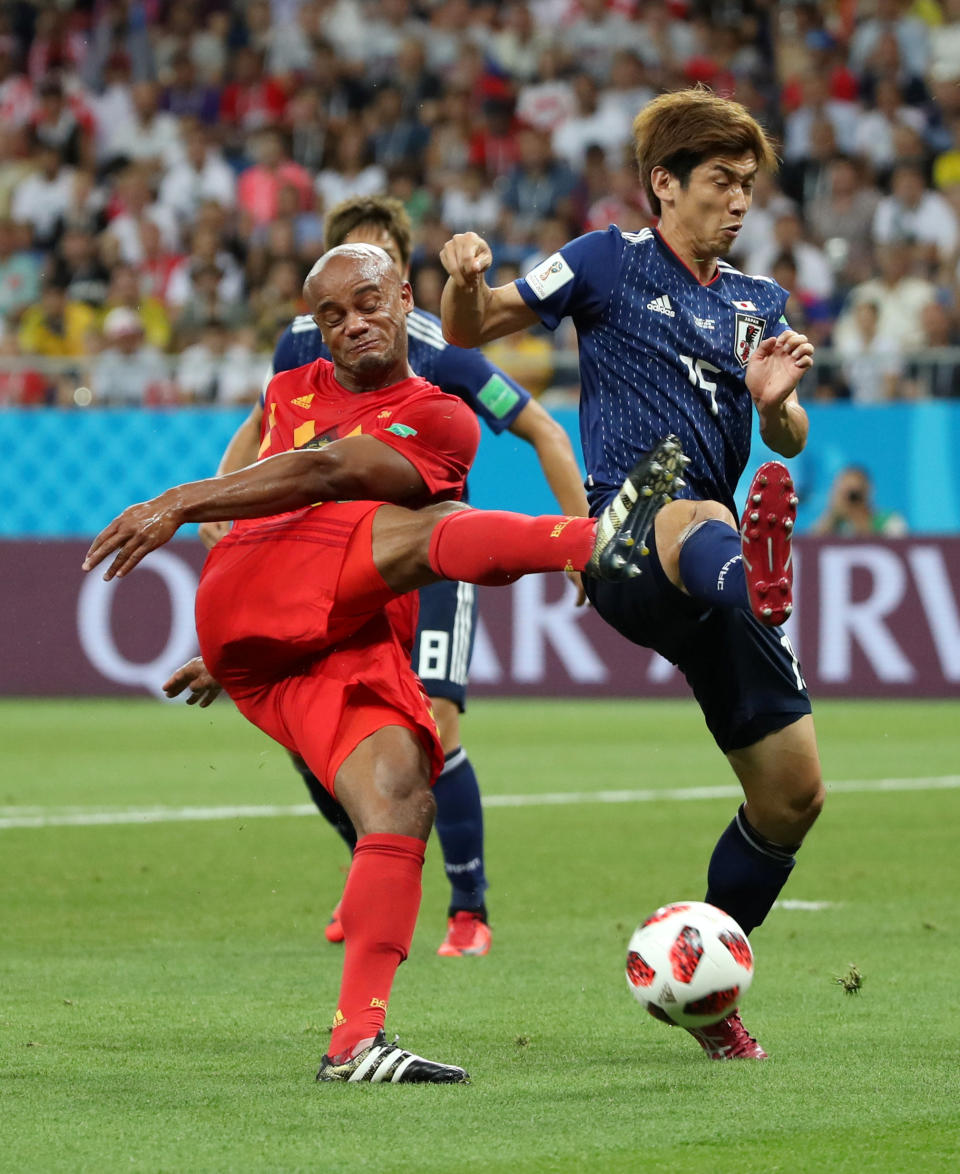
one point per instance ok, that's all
(389, 1064)
(623, 527)
(766, 539)
(728, 1040)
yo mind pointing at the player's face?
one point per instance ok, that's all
(360, 306)
(709, 210)
(375, 234)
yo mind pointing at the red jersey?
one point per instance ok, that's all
(437, 433)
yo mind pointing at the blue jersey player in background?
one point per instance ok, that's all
(675, 343)
(444, 639)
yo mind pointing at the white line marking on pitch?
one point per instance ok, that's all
(39, 817)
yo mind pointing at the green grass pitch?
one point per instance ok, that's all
(165, 987)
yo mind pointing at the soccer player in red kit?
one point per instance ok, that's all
(303, 613)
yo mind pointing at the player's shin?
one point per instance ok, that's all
(379, 910)
(747, 872)
(493, 547)
(459, 825)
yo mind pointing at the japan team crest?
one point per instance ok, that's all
(749, 332)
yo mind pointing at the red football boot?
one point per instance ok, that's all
(333, 931)
(728, 1040)
(766, 538)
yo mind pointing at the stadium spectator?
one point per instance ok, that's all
(874, 139)
(185, 96)
(16, 163)
(125, 291)
(20, 272)
(57, 327)
(128, 371)
(133, 204)
(258, 187)
(934, 373)
(818, 104)
(206, 248)
(872, 363)
(42, 198)
(396, 135)
(78, 267)
(539, 184)
(63, 122)
(840, 218)
(891, 19)
(548, 99)
(898, 292)
(591, 124)
(594, 35)
(349, 168)
(21, 385)
(470, 202)
(220, 368)
(852, 512)
(814, 274)
(518, 44)
(202, 174)
(914, 213)
(206, 304)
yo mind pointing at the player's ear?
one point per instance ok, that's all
(663, 183)
(406, 296)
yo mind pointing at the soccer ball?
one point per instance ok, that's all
(689, 964)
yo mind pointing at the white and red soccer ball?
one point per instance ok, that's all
(689, 964)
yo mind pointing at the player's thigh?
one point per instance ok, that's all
(675, 521)
(401, 543)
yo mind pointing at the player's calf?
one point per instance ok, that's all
(766, 539)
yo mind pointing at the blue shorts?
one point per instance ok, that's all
(444, 641)
(745, 677)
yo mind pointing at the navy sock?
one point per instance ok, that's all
(747, 872)
(711, 566)
(459, 826)
(329, 808)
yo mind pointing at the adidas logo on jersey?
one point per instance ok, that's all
(662, 305)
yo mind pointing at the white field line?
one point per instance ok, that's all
(40, 817)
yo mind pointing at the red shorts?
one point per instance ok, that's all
(297, 624)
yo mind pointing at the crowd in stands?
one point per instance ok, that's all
(165, 166)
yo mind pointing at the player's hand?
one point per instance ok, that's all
(138, 530)
(775, 367)
(210, 533)
(577, 580)
(466, 257)
(195, 676)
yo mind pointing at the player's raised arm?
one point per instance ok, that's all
(774, 370)
(471, 312)
(355, 468)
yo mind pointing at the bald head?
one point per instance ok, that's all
(360, 303)
(367, 262)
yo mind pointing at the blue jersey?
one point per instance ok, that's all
(659, 353)
(490, 392)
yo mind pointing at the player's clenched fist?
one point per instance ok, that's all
(466, 257)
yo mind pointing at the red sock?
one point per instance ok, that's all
(378, 912)
(493, 547)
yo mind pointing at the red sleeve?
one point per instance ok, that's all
(439, 436)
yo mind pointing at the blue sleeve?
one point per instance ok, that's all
(577, 281)
(489, 392)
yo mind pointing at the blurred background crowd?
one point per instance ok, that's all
(165, 167)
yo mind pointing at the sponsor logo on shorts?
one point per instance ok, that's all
(549, 276)
(402, 430)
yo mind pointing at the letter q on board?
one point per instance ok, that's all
(95, 608)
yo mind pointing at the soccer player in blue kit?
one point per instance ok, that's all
(674, 340)
(448, 610)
